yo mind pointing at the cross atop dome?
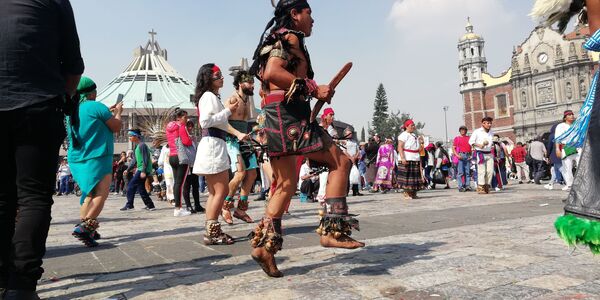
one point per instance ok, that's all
(152, 34)
(469, 26)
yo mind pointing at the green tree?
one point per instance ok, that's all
(396, 121)
(362, 134)
(380, 112)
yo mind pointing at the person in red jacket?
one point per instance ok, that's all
(177, 129)
(518, 154)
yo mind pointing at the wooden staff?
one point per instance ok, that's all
(332, 85)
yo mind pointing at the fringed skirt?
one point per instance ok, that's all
(409, 176)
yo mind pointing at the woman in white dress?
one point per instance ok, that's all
(212, 160)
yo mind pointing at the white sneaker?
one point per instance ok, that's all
(549, 186)
(181, 212)
(566, 188)
(497, 189)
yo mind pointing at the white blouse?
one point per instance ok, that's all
(212, 112)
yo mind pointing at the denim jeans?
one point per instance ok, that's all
(464, 170)
(202, 184)
(64, 185)
(557, 172)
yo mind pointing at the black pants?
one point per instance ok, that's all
(119, 182)
(180, 172)
(138, 185)
(538, 170)
(29, 158)
(192, 182)
(309, 188)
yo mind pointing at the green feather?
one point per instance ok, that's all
(578, 231)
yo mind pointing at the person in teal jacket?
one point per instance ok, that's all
(91, 147)
(143, 162)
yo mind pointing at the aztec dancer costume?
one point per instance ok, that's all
(288, 86)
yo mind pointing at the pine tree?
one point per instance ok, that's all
(362, 134)
(380, 112)
(396, 121)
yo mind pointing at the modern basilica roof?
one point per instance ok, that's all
(149, 80)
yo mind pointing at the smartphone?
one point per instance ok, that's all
(119, 99)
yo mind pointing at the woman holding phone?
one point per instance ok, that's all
(212, 159)
(91, 147)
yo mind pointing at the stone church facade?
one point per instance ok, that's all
(549, 74)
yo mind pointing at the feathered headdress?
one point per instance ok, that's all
(548, 12)
(153, 123)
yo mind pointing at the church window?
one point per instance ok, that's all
(192, 98)
(149, 97)
(472, 51)
(501, 106)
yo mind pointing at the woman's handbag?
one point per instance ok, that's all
(186, 154)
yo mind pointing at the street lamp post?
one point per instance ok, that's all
(445, 108)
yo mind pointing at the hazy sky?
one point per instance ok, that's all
(408, 45)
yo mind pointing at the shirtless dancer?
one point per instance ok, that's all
(282, 63)
(243, 162)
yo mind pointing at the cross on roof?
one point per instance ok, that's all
(152, 34)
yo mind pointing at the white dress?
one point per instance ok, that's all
(212, 156)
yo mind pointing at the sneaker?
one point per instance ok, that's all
(549, 186)
(520, 182)
(125, 208)
(199, 209)
(150, 208)
(462, 190)
(497, 189)
(566, 188)
(181, 213)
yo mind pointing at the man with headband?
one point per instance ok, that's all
(143, 161)
(282, 64)
(243, 160)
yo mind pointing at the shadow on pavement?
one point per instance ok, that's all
(373, 260)
(369, 261)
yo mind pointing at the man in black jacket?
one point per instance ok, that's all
(40, 63)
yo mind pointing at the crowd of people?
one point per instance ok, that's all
(482, 161)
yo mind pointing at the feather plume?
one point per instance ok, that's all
(153, 123)
(549, 12)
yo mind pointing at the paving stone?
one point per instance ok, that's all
(447, 245)
(552, 282)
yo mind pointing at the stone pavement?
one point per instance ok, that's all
(446, 245)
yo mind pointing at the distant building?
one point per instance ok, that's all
(549, 73)
(149, 81)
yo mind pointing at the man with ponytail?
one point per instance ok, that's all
(282, 64)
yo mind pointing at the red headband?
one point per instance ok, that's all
(408, 123)
(215, 69)
(328, 111)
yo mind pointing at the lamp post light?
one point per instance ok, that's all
(445, 108)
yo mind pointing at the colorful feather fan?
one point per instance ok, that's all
(153, 123)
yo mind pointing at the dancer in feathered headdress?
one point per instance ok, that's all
(581, 222)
